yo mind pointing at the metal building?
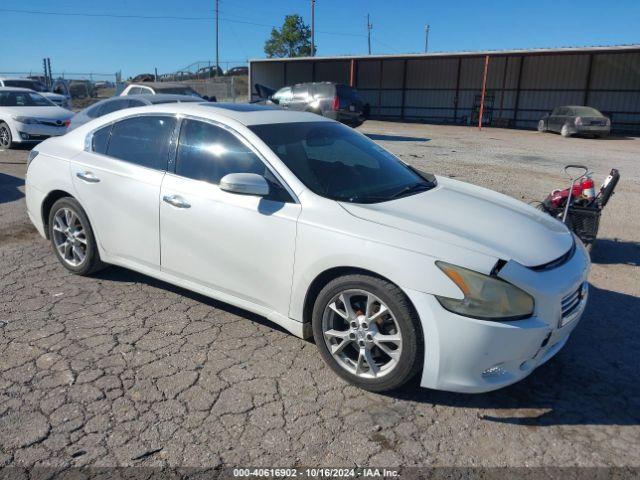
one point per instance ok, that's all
(521, 85)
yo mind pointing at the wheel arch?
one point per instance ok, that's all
(51, 198)
(332, 273)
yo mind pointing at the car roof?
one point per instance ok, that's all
(152, 99)
(158, 84)
(244, 113)
(16, 89)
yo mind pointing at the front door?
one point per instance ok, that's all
(240, 245)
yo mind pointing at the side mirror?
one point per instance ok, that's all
(272, 99)
(206, 97)
(245, 184)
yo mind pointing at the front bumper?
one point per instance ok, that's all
(468, 355)
(37, 132)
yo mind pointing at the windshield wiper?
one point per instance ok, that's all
(413, 188)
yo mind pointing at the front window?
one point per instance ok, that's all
(338, 163)
(23, 99)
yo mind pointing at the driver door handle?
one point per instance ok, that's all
(176, 200)
(87, 177)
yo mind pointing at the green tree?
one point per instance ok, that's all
(292, 40)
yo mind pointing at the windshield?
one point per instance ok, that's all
(32, 84)
(178, 91)
(586, 112)
(338, 163)
(24, 99)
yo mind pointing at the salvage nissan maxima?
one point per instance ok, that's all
(321, 230)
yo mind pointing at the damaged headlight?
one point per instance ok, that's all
(485, 297)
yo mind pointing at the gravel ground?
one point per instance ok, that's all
(120, 369)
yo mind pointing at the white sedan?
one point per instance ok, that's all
(316, 227)
(27, 117)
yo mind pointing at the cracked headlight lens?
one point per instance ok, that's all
(485, 297)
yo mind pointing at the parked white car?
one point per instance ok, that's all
(60, 100)
(27, 117)
(154, 88)
(321, 230)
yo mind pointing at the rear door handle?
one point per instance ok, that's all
(87, 177)
(176, 201)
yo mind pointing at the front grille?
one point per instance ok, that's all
(571, 303)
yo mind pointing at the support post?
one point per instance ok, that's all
(484, 90)
(313, 28)
(517, 104)
(587, 86)
(404, 88)
(352, 73)
(456, 99)
(217, 42)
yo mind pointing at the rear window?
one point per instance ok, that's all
(142, 140)
(586, 112)
(323, 90)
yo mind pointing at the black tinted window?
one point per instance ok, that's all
(300, 92)
(323, 90)
(101, 140)
(338, 163)
(207, 152)
(347, 92)
(142, 140)
(113, 106)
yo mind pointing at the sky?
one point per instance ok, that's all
(84, 36)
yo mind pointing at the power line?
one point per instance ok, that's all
(162, 17)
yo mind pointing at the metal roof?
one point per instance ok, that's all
(532, 51)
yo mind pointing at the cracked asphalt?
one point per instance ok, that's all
(120, 369)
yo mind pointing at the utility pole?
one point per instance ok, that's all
(313, 28)
(217, 42)
(369, 27)
(426, 38)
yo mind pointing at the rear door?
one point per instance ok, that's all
(301, 98)
(118, 183)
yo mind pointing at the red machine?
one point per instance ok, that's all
(578, 206)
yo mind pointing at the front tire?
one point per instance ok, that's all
(72, 237)
(6, 139)
(368, 332)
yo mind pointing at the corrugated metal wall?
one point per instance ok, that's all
(520, 87)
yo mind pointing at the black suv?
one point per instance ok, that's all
(335, 101)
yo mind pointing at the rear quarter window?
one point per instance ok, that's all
(100, 140)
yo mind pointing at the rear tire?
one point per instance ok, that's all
(565, 132)
(72, 237)
(377, 341)
(6, 139)
(541, 127)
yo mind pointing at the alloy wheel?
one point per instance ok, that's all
(362, 333)
(69, 237)
(5, 137)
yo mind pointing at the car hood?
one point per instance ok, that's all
(474, 218)
(55, 113)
